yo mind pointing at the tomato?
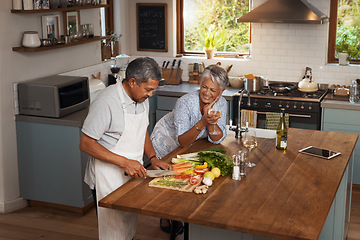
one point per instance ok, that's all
(201, 171)
(182, 176)
(195, 179)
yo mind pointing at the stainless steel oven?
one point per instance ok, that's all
(303, 108)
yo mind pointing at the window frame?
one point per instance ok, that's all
(180, 44)
(332, 34)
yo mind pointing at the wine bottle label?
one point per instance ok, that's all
(283, 141)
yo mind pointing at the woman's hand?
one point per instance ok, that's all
(208, 118)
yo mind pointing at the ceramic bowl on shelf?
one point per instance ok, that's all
(31, 39)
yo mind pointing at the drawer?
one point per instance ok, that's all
(166, 103)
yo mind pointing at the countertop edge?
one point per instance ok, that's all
(337, 104)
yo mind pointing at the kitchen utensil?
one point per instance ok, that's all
(252, 85)
(307, 84)
(172, 68)
(178, 69)
(31, 39)
(281, 87)
(159, 173)
(228, 68)
(237, 82)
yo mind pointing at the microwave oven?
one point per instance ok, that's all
(53, 96)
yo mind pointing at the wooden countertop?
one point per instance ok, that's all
(286, 196)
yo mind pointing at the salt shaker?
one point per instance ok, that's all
(236, 167)
(354, 92)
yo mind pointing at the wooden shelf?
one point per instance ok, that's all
(73, 43)
(60, 9)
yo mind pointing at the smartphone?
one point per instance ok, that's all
(319, 152)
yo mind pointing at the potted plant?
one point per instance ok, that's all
(347, 49)
(210, 45)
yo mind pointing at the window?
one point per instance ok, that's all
(198, 20)
(344, 23)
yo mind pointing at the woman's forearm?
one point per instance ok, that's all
(190, 136)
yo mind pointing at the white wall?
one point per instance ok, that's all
(15, 67)
(280, 52)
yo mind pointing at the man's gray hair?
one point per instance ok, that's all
(142, 69)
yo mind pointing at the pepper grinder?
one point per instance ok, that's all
(242, 163)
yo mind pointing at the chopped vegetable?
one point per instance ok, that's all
(195, 179)
(201, 171)
(170, 183)
(182, 176)
(178, 160)
(202, 166)
(207, 181)
(182, 166)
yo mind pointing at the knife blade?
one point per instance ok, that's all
(159, 173)
(172, 68)
(178, 70)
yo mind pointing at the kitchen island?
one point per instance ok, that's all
(287, 195)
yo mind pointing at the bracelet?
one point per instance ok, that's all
(197, 128)
(154, 156)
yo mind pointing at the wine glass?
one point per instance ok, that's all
(249, 141)
(215, 111)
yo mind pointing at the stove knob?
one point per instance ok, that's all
(280, 105)
(310, 107)
(302, 107)
(295, 107)
(287, 106)
(255, 104)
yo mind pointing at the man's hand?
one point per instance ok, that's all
(134, 169)
(157, 164)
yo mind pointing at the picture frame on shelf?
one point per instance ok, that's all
(71, 23)
(50, 26)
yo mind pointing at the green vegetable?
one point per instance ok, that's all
(178, 160)
(170, 183)
(217, 159)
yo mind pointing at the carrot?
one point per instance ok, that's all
(185, 165)
(178, 164)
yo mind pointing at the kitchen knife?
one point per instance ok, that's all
(159, 173)
(163, 64)
(178, 70)
(172, 69)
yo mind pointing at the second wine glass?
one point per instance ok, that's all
(249, 141)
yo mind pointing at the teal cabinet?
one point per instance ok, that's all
(51, 165)
(347, 121)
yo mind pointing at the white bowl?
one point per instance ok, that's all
(237, 82)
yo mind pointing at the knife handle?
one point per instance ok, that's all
(173, 64)
(179, 63)
(167, 64)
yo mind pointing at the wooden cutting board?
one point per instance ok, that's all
(183, 188)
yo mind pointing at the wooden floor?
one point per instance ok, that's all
(35, 223)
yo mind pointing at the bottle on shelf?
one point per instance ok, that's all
(281, 132)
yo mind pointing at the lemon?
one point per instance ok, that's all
(216, 172)
(209, 175)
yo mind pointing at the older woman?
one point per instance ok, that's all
(190, 119)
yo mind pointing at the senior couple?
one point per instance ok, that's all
(115, 135)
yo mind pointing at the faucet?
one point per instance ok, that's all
(238, 129)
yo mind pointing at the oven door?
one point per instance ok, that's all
(304, 115)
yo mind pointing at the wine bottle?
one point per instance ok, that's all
(281, 132)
